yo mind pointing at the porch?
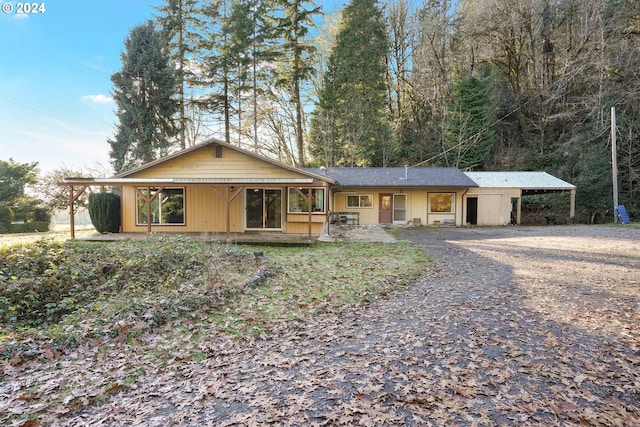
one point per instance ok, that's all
(246, 238)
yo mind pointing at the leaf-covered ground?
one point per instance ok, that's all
(513, 326)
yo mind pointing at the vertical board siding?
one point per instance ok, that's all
(204, 212)
(494, 204)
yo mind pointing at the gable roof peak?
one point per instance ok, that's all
(213, 142)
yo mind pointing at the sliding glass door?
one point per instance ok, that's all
(264, 208)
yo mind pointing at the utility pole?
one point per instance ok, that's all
(614, 163)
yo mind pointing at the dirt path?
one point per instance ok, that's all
(516, 326)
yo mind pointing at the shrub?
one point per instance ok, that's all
(42, 282)
(39, 214)
(104, 210)
(29, 227)
(6, 217)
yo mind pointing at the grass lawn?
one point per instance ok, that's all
(61, 235)
(164, 293)
(52, 284)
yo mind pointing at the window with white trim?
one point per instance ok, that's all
(442, 202)
(359, 201)
(297, 202)
(167, 207)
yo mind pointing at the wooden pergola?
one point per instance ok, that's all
(226, 189)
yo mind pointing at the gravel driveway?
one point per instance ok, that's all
(513, 326)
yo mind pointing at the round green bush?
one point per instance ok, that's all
(104, 210)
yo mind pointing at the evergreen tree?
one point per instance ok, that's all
(240, 54)
(468, 134)
(294, 26)
(182, 24)
(216, 69)
(144, 91)
(238, 49)
(324, 145)
(356, 86)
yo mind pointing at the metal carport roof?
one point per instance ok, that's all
(529, 182)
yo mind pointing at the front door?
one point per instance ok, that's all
(264, 208)
(385, 211)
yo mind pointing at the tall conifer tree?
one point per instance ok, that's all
(356, 81)
(182, 23)
(144, 91)
(294, 26)
(468, 133)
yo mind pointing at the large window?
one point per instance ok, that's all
(442, 202)
(167, 207)
(297, 202)
(359, 201)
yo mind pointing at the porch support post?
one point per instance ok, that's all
(148, 198)
(328, 205)
(72, 199)
(148, 203)
(228, 196)
(519, 209)
(307, 198)
(572, 206)
(310, 217)
(72, 222)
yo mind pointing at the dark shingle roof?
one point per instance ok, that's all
(396, 177)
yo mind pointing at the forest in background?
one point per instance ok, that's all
(481, 85)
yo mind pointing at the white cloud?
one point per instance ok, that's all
(97, 99)
(53, 142)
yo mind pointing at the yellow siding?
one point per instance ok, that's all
(417, 205)
(202, 163)
(303, 228)
(494, 204)
(367, 215)
(297, 218)
(204, 212)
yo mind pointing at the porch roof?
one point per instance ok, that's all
(115, 182)
(396, 177)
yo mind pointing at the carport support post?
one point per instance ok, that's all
(519, 209)
(572, 206)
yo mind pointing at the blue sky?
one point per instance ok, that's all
(55, 87)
